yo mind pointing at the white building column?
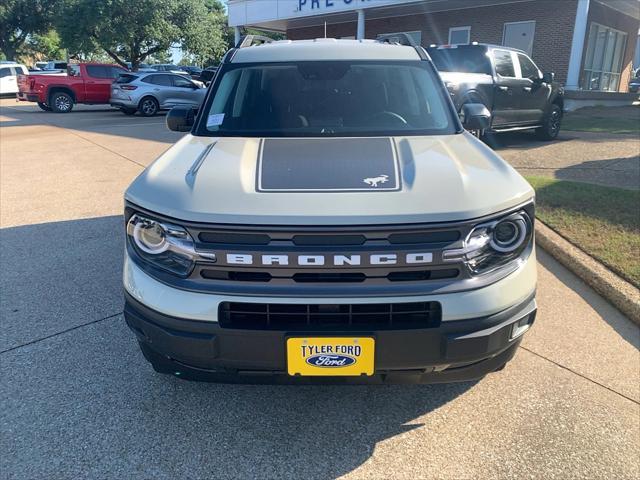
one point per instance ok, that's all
(237, 35)
(577, 45)
(360, 32)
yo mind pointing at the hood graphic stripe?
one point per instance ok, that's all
(328, 165)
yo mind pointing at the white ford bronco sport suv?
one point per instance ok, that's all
(328, 215)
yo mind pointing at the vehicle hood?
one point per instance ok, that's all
(257, 181)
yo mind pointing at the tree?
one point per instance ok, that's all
(130, 30)
(210, 37)
(43, 46)
(19, 19)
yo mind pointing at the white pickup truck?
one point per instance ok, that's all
(329, 215)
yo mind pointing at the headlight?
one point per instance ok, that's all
(165, 246)
(494, 244)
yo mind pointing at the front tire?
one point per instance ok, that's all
(44, 106)
(148, 107)
(61, 102)
(551, 124)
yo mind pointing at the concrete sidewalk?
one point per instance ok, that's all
(79, 401)
(602, 158)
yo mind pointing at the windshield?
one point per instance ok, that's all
(461, 59)
(327, 98)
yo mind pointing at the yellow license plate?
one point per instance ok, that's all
(330, 356)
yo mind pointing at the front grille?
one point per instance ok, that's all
(329, 317)
(358, 241)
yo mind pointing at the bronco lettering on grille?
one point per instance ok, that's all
(328, 260)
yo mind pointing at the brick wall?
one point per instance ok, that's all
(552, 40)
(611, 18)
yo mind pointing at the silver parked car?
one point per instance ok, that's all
(149, 93)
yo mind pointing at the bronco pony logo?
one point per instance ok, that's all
(374, 181)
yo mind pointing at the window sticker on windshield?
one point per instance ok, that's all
(215, 120)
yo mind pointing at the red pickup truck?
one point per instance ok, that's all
(84, 83)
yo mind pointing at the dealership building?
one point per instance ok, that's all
(589, 44)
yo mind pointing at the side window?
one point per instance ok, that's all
(528, 68)
(116, 71)
(164, 80)
(73, 70)
(504, 63)
(97, 71)
(181, 82)
(5, 72)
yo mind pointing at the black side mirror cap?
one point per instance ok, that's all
(181, 119)
(475, 116)
(548, 77)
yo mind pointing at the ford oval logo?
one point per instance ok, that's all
(330, 361)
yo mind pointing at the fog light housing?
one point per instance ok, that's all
(521, 326)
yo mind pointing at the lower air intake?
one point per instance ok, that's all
(333, 317)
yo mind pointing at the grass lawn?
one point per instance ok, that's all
(604, 119)
(602, 221)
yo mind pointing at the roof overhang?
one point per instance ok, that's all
(281, 15)
(628, 7)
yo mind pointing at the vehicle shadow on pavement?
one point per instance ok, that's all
(521, 140)
(79, 401)
(618, 322)
(58, 275)
(95, 120)
(614, 172)
(87, 405)
(526, 140)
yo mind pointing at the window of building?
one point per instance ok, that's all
(416, 36)
(504, 63)
(459, 35)
(603, 61)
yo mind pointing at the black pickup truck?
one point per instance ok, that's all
(518, 95)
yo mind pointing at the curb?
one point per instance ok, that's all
(622, 294)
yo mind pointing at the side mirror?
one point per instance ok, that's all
(181, 119)
(548, 77)
(475, 116)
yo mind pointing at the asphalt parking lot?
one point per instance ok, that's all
(79, 401)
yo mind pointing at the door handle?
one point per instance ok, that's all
(90, 82)
(502, 88)
(526, 89)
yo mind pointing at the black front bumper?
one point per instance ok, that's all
(455, 351)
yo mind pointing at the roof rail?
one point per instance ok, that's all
(251, 40)
(397, 38)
